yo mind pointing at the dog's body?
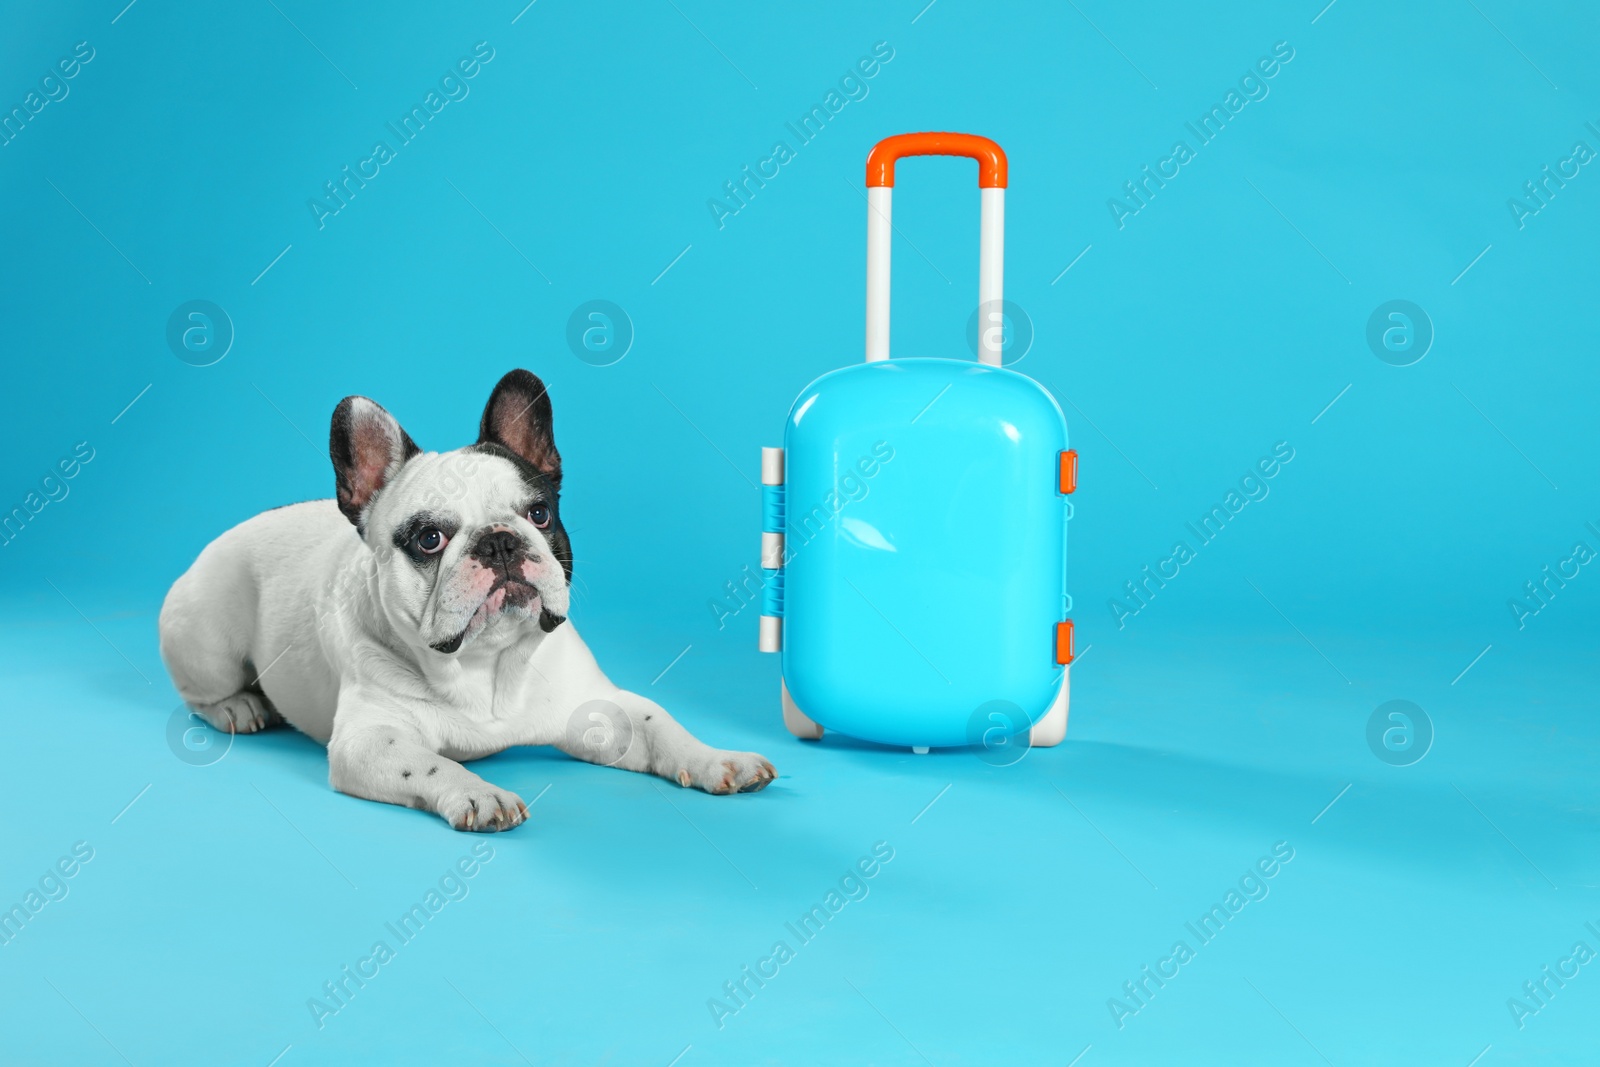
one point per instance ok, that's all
(432, 633)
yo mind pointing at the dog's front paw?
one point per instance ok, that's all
(727, 772)
(481, 808)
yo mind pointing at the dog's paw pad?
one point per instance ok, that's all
(484, 810)
(245, 712)
(734, 772)
(763, 776)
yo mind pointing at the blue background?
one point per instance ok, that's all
(1224, 717)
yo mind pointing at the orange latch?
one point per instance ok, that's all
(1064, 642)
(1069, 473)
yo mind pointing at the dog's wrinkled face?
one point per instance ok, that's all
(463, 560)
(466, 542)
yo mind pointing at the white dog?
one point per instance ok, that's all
(434, 631)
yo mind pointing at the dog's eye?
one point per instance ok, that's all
(432, 540)
(539, 515)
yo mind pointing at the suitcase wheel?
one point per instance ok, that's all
(1052, 729)
(797, 721)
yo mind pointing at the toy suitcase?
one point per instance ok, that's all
(915, 524)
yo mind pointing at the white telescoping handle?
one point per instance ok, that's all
(991, 231)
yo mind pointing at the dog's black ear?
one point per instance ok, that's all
(368, 448)
(518, 417)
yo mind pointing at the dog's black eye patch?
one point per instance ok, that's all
(408, 536)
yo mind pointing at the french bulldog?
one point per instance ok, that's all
(418, 620)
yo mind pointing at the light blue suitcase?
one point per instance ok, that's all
(914, 526)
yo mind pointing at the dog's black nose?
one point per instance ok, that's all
(497, 549)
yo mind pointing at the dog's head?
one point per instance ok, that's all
(464, 542)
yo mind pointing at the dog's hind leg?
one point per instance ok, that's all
(200, 673)
(205, 641)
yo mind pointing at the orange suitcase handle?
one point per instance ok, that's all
(990, 156)
(991, 230)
